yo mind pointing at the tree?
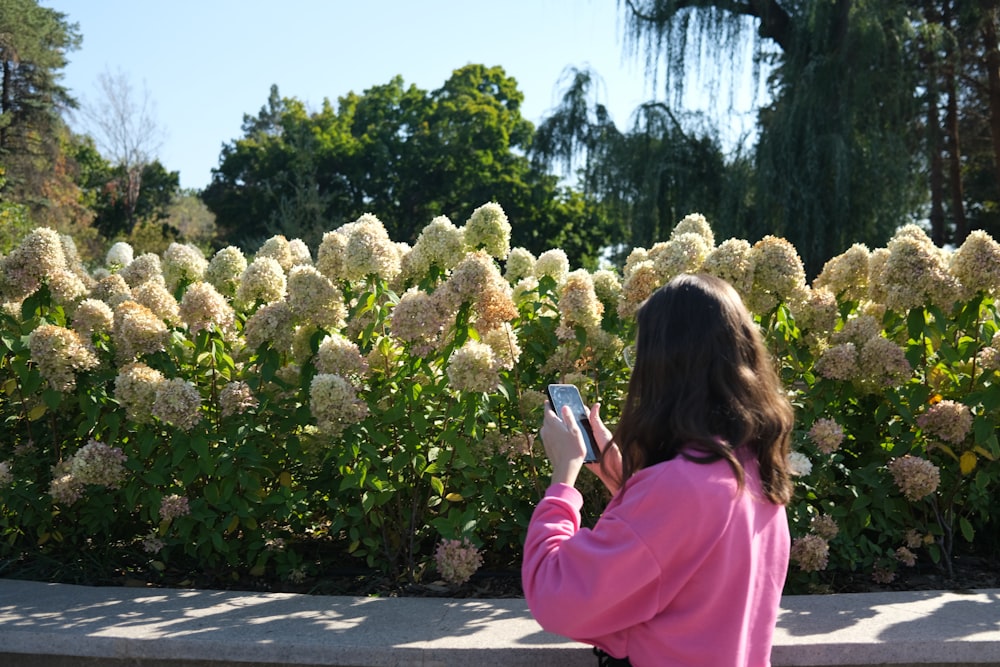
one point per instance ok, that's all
(34, 42)
(125, 130)
(644, 180)
(118, 209)
(191, 218)
(401, 153)
(835, 159)
(14, 223)
(271, 179)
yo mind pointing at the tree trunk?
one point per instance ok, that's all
(992, 64)
(954, 146)
(936, 176)
(5, 101)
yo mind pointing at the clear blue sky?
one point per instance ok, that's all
(207, 63)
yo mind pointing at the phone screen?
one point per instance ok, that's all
(568, 394)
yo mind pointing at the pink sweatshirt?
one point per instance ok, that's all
(681, 569)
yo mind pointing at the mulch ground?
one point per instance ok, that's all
(969, 573)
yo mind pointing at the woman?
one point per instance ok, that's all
(687, 563)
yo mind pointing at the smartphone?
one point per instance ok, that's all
(568, 394)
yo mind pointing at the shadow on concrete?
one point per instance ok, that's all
(810, 615)
(952, 620)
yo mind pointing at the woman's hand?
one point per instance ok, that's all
(566, 450)
(609, 468)
(563, 444)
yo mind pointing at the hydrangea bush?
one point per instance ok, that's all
(382, 400)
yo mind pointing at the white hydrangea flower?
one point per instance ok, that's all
(119, 255)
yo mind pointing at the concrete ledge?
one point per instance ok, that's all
(63, 626)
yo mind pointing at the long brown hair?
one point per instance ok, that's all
(704, 385)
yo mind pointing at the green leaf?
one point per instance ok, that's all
(211, 493)
(983, 428)
(968, 532)
(915, 323)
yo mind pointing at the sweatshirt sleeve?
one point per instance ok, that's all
(584, 583)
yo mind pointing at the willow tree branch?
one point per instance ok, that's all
(775, 23)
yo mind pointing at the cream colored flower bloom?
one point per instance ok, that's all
(553, 263)
(40, 254)
(477, 280)
(119, 256)
(225, 269)
(916, 274)
(135, 390)
(683, 253)
(368, 251)
(420, 319)
(272, 323)
(473, 368)
(989, 356)
(877, 262)
(64, 488)
(137, 330)
(340, 356)
(98, 463)
(639, 284)
(236, 398)
(301, 256)
(278, 249)
(331, 254)
(520, 264)
(810, 552)
(66, 288)
(92, 316)
(948, 420)
(112, 290)
(976, 264)
(578, 302)
(142, 269)
(608, 287)
(457, 560)
(155, 296)
(488, 229)
(334, 403)
(825, 526)
(60, 353)
(182, 264)
(732, 262)
(858, 329)
(839, 362)
(799, 464)
(846, 275)
(203, 308)
(917, 478)
(314, 299)
(263, 281)
(827, 435)
(779, 275)
(635, 256)
(503, 342)
(440, 244)
(177, 402)
(695, 223)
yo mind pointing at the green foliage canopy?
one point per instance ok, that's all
(34, 42)
(402, 153)
(835, 162)
(645, 179)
